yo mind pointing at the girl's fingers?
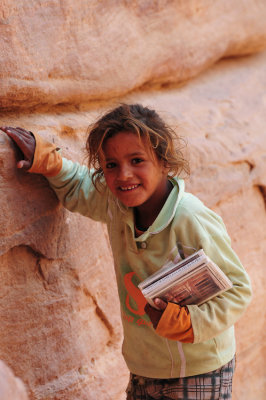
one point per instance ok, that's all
(22, 130)
(3, 128)
(160, 303)
(26, 134)
(16, 136)
(25, 141)
(24, 164)
(17, 131)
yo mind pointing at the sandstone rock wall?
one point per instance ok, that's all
(10, 386)
(69, 52)
(60, 329)
(61, 332)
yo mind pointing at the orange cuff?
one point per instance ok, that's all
(175, 323)
(47, 160)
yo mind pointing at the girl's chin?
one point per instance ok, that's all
(130, 202)
(129, 199)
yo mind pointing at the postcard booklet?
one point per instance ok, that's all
(193, 280)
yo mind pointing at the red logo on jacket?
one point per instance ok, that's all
(136, 295)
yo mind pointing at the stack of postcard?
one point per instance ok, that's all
(194, 280)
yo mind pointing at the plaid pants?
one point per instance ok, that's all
(215, 385)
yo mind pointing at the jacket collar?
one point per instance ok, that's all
(166, 214)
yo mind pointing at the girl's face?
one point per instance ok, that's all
(133, 172)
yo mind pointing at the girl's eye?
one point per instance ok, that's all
(110, 165)
(136, 160)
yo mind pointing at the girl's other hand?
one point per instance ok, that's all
(160, 303)
(153, 313)
(26, 143)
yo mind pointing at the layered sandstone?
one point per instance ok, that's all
(61, 331)
(69, 52)
(60, 328)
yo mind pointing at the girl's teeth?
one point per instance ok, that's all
(128, 187)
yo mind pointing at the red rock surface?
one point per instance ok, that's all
(57, 281)
(11, 388)
(60, 329)
(74, 51)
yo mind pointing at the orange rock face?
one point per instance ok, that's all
(70, 52)
(10, 386)
(60, 328)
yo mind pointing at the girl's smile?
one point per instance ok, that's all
(134, 174)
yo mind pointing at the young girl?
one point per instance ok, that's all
(174, 352)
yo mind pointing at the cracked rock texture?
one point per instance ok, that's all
(60, 329)
(50, 54)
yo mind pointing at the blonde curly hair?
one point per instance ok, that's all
(145, 123)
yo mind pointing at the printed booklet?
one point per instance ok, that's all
(194, 280)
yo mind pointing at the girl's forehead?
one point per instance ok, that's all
(126, 143)
(125, 140)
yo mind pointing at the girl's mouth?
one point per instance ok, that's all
(128, 188)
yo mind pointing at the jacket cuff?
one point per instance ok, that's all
(47, 159)
(175, 323)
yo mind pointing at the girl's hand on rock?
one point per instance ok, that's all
(26, 143)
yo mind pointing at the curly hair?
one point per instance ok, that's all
(145, 123)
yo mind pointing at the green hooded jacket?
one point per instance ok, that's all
(183, 226)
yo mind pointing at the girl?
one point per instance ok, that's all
(174, 352)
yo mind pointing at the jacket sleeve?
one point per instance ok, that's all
(71, 181)
(207, 231)
(75, 190)
(47, 159)
(175, 323)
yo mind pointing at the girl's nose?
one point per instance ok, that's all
(125, 172)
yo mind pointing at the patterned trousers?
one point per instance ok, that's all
(215, 385)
